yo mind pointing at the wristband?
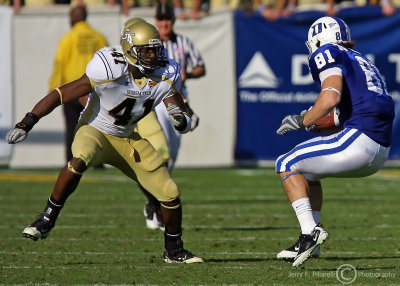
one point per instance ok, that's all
(28, 122)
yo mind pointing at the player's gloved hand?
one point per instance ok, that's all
(16, 135)
(21, 129)
(195, 121)
(176, 115)
(290, 123)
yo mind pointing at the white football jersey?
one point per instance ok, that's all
(119, 101)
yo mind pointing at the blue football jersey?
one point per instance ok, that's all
(365, 103)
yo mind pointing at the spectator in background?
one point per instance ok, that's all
(92, 2)
(123, 3)
(16, 4)
(272, 10)
(181, 49)
(75, 50)
(180, 12)
(388, 8)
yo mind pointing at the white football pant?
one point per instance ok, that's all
(346, 154)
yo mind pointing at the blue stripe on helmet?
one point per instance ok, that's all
(342, 26)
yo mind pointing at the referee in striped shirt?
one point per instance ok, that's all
(181, 49)
(178, 47)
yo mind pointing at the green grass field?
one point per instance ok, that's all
(236, 219)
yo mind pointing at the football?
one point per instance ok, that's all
(329, 121)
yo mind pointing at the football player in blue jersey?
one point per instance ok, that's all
(353, 85)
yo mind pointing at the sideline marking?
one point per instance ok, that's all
(388, 174)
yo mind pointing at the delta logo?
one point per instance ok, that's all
(258, 74)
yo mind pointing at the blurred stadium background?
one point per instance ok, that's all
(256, 73)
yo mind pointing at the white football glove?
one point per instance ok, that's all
(290, 123)
(16, 135)
(195, 121)
(176, 115)
(21, 129)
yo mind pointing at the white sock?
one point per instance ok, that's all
(304, 214)
(317, 216)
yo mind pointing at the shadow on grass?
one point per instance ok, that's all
(224, 260)
(361, 257)
(241, 201)
(240, 228)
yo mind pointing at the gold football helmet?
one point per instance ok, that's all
(130, 22)
(142, 47)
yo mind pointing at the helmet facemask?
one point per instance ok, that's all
(143, 48)
(146, 57)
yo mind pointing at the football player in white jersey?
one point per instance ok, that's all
(354, 86)
(123, 87)
(156, 127)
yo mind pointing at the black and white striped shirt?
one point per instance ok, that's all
(181, 49)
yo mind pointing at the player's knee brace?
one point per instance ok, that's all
(77, 166)
(172, 205)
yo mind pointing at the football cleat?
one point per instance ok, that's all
(153, 217)
(307, 244)
(39, 229)
(291, 252)
(181, 256)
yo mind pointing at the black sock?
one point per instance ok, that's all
(52, 209)
(173, 242)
